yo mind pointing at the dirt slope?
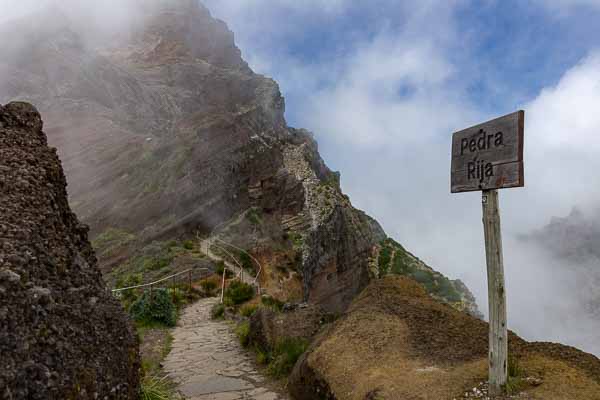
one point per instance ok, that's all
(395, 342)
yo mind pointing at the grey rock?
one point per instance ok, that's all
(52, 347)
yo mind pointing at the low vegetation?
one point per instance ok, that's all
(218, 311)
(272, 303)
(154, 308)
(220, 268)
(246, 262)
(282, 359)
(515, 382)
(243, 333)
(254, 216)
(208, 286)
(109, 241)
(237, 293)
(394, 259)
(248, 310)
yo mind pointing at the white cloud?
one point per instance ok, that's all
(384, 82)
(566, 116)
(563, 141)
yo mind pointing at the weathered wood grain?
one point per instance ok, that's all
(498, 339)
(489, 155)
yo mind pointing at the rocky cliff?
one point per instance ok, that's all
(165, 132)
(63, 335)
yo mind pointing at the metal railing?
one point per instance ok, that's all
(152, 284)
(248, 254)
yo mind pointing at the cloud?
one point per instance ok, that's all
(563, 141)
(385, 81)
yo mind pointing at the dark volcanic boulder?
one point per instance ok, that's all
(62, 334)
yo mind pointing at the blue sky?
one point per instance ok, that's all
(384, 83)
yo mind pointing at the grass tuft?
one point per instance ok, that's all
(248, 310)
(153, 388)
(218, 311)
(285, 355)
(243, 333)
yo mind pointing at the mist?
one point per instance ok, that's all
(383, 105)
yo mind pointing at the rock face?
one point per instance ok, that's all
(63, 335)
(165, 132)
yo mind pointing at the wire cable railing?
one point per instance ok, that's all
(151, 284)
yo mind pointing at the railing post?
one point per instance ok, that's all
(223, 283)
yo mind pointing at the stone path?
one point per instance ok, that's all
(208, 363)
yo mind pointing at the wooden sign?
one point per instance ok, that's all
(489, 155)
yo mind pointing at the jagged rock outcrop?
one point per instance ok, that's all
(165, 131)
(62, 334)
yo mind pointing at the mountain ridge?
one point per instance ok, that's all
(166, 132)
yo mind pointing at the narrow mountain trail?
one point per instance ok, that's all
(205, 248)
(208, 363)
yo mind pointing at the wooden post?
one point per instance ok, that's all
(498, 346)
(223, 283)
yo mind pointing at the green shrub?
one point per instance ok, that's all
(446, 290)
(243, 333)
(217, 311)
(272, 303)
(262, 357)
(385, 256)
(221, 267)
(128, 297)
(254, 216)
(285, 355)
(155, 308)
(208, 286)
(248, 310)
(514, 383)
(401, 264)
(153, 388)
(179, 297)
(246, 261)
(239, 292)
(188, 245)
(154, 264)
(514, 368)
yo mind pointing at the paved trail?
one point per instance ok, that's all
(208, 363)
